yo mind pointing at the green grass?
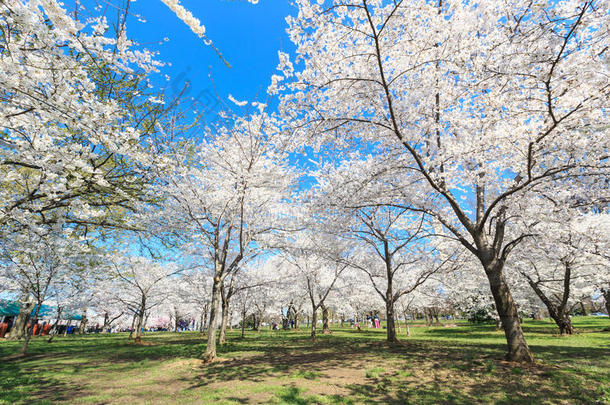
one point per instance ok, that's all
(458, 365)
(309, 375)
(374, 372)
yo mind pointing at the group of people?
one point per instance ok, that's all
(372, 321)
(286, 324)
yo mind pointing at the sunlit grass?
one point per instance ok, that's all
(461, 365)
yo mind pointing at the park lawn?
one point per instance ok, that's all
(454, 365)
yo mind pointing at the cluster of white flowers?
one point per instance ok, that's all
(237, 102)
(186, 16)
(447, 140)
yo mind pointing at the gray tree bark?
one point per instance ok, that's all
(53, 329)
(210, 351)
(18, 331)
(558, 311)
(140, 320)
(606, 292)
(29, 330)
(407, 324)
(131, 329)
(325, 316)
(314, 322)
(83, 323)
(226, 308)
(223, 323)
(518, 350)
(390, 324)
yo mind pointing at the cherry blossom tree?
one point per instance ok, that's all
(561, 262)
(392, 245)
(228, 199)
(314, 262)
(33, 264)
(486, 103)
(77, 119)
(197, 287)
(256, 290)
(140, 284)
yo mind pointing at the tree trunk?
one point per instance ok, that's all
(559, 314)
(538, 315)
(18, 331)
(201, 321)
(210, 351)
(29, 330)
(176, 315)
(389, 296)
(83, 323)
(562, 320)
(325, 326)
(565, 324)
(223, 321)
(407, 325)
(606, 292)
(206, 308)
(391, 326)
(140, 319)
(582, 307)
(70, 322)
(106, 323)
(518, 350)
(243, 323)
(314, 322)
(133, 324)
(557, 310)
(140, 322)
(54, 327)
(225, 297)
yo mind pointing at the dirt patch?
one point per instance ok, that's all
(335, 381)
(143, 343)
(184, 364)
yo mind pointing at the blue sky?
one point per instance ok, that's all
(249, 37)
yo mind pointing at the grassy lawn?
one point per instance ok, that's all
(456, 365)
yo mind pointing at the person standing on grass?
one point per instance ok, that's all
(376, 322)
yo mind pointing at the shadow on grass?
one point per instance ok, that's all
(297, 396)
(423, 370)
(507, 387)
(18, 384)
(476, 375)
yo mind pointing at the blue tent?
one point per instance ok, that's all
(11, 308)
